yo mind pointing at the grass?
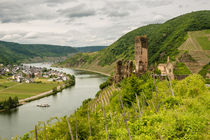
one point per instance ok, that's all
(204, 39)
(26, 90)
(181, 68)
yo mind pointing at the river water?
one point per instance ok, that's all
(24, 118)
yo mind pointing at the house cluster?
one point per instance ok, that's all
(27, 74)
(124, 69)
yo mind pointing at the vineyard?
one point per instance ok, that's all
(136, 108)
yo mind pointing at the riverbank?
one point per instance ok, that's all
(41, 95)
(22, 119)
(106, 74)
(93, 67)
(52, 90)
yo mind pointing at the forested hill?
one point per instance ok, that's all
(90, 48)
(15, 53)
(164, 40)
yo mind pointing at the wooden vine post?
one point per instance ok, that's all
(76, 125)
(170, 86)
(137, 100)
(107, 133)
(36, 133)
(69, 126)
(89, 122)
(157, 98)
(45, 131)
(124, 116)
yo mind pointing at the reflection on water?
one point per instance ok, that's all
(23, 119)
(10, 112)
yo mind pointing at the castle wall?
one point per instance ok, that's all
(119, 72)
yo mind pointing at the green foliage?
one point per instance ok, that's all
(85, 102)
(107, 83)
(181, 69)
(204, 42)
(164, 40)
(9, 103)
(171, 102)
(90, 48)
(131, 86)
(205, 70)
(78, 59)
(185, 116)
(71, 81)
(190, 86)
(16, 53)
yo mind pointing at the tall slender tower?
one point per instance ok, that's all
(141, 54)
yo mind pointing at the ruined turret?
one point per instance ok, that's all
(141, 54)
(119, 72)
(128, 69)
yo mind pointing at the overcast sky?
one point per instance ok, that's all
(85, 22)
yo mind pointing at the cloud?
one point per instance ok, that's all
(11, 37)
(78, 11)
(21, 11)
(155, 3)
(119, 9)
(84, 22)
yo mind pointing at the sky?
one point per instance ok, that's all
(85, 22)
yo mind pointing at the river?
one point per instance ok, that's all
(24, 118)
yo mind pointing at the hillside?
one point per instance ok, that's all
(198, 47)
(139, 108)
(90, 48)
(16, 53)
(164, 40)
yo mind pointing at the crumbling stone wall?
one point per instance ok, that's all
(141, 54)
(128, 69)
(125, 70)
(119, 72)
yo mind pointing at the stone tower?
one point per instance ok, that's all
(119, 72)
(141, 54)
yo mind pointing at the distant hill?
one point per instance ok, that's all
(164, 40)
(90, 48)
(15, 53)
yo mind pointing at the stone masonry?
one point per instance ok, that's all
(141, 55)
(119, 72)
(125, 69)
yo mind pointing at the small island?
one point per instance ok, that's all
(20, 84)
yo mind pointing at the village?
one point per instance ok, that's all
(29, 74)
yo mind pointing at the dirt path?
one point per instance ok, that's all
(23, 101)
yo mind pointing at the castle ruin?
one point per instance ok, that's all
(119, 72)
(125, 69)
(141, 55)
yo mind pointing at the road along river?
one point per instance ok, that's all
(24, 118)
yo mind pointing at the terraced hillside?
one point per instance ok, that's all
(104, 97)
(198, 47)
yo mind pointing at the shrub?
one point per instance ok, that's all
(171, 102)
(190, 86)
